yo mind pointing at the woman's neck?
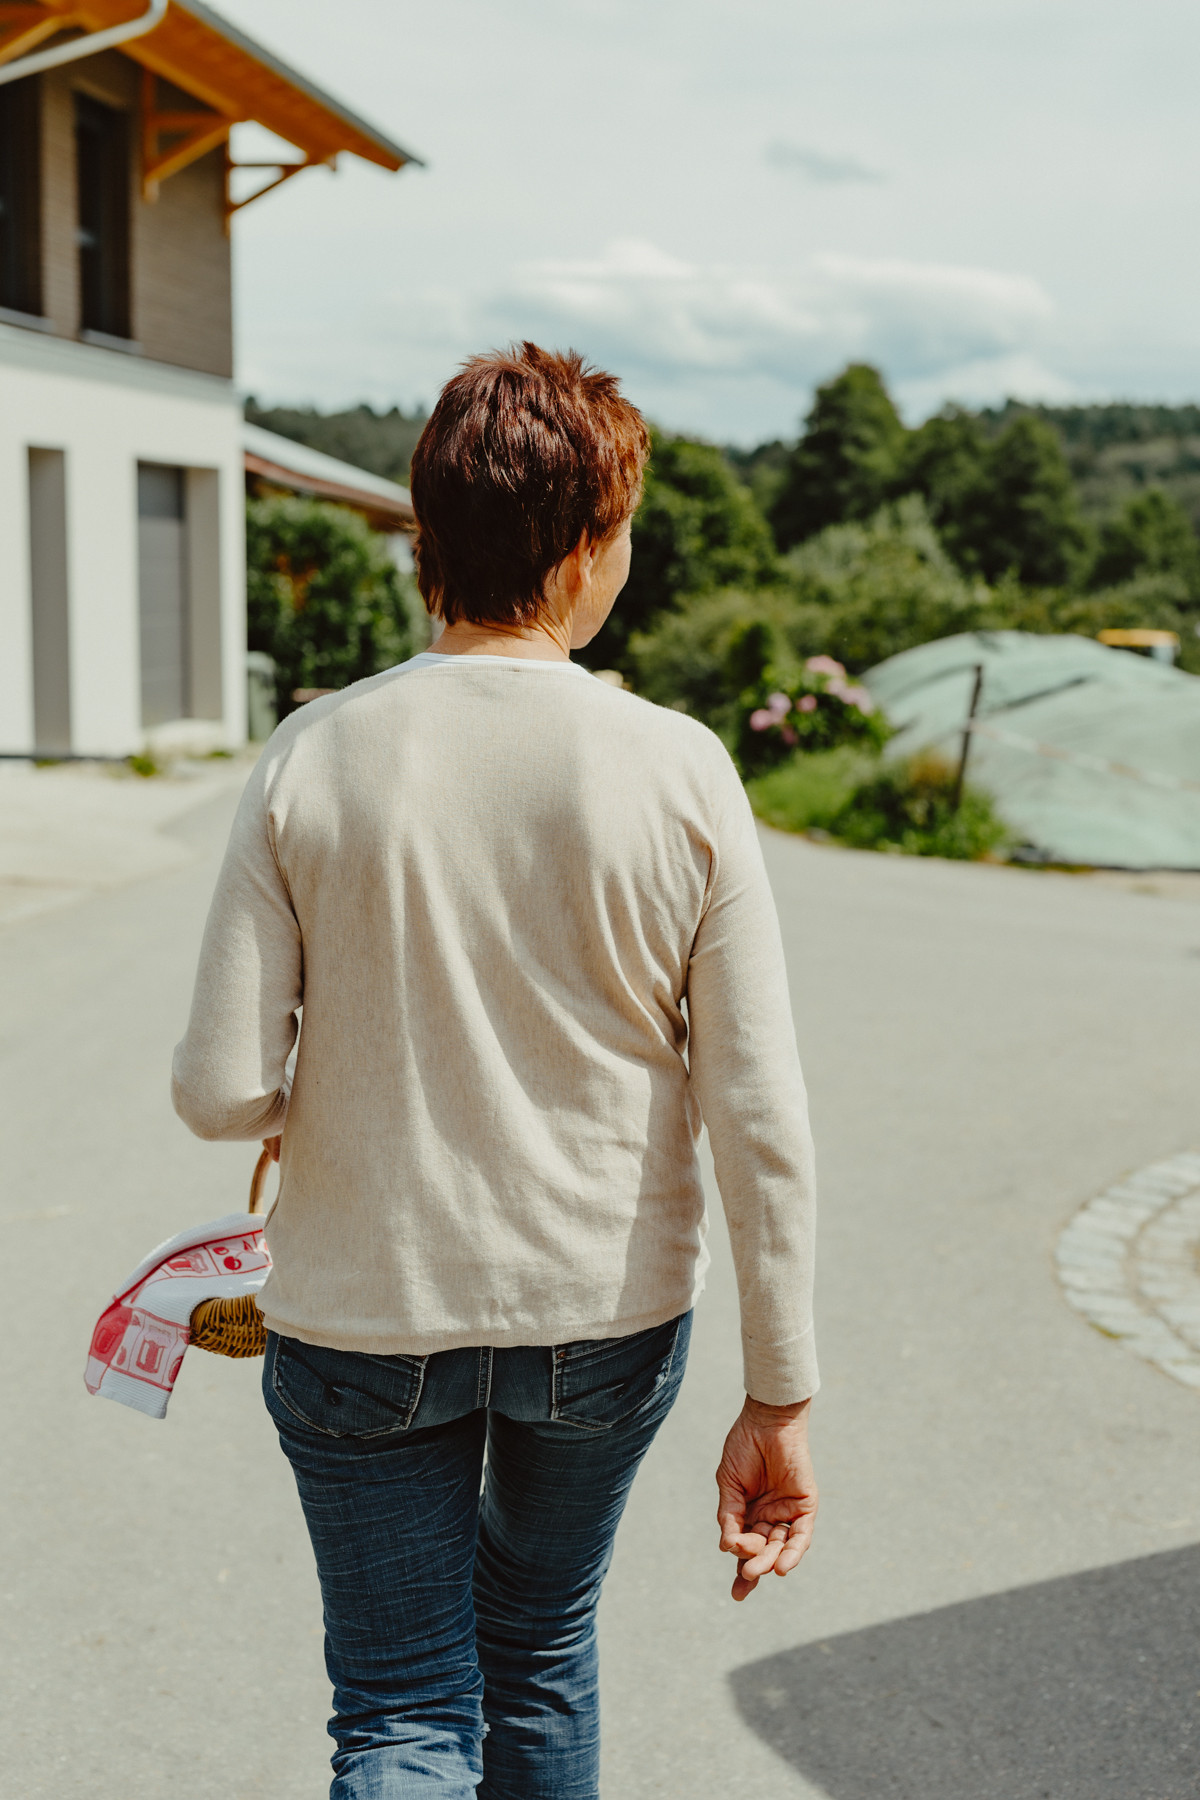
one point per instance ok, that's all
(547, 641)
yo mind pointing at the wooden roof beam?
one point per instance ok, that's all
(190, 135)
(284, 172)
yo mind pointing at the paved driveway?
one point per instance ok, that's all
(1003, 1598)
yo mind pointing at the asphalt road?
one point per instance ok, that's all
(1003, 1599)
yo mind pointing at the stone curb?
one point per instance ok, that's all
(1129, 1262)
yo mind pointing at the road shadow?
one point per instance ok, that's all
(1085, 1688)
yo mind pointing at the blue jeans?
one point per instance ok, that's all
(460, 1624)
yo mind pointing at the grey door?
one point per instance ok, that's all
(49, 594)
(162, 593)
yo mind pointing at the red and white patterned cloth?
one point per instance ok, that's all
(139, 1340)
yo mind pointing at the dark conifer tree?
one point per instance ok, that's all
(845, 465)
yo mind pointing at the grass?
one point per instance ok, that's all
(809, 792)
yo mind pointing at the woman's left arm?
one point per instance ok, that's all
(229, 1078)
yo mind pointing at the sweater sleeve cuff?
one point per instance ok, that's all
(220, 1118)
(781, 1374)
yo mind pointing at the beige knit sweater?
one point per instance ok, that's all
(527, 918)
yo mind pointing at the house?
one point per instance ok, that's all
(122, 594)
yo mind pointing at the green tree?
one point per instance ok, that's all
(945, 461)
(1027, 518)
(845, 465)
(1151, 535)
(763, 470)
(697, 529)
(324, 598)
(1002, 506)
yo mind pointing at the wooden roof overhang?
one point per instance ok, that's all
(234, 80)
(380, 512)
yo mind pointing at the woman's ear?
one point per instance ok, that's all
(581, 562)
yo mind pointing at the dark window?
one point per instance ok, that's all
(102, 178)
(20, 254)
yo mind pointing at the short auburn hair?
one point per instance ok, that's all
(525, 451)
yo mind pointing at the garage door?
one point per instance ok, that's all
(162, 593)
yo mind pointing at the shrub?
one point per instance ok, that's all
(864, 592)
(897, 540)
(900, 806)
(324, 598)
(700, 657)
(820, 710)
(909, 805)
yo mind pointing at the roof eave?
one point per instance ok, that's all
(396, 515)
(393, 154)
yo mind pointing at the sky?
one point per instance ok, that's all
(724, 201)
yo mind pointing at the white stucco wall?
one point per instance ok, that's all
(107, 411)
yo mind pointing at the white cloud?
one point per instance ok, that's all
(727, 350)
(679, 328)
(986, 383)
(920, 319)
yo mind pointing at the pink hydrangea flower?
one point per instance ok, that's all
(761, 719)
(858, 696)
(825, 665)
(806, 703)
(789, 736)
(779, 705)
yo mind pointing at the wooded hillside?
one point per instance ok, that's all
(382, 442)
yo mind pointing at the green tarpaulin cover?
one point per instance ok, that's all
(1092, 755)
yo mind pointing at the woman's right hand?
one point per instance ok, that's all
(767, 1503)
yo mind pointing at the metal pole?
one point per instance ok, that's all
(960, 778)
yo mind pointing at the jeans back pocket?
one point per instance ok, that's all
(342, 1393)
(602, 1382)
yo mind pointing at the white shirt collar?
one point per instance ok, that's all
(426, 658)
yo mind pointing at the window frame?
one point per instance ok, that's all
(21, 197)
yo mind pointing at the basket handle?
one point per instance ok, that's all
(258, 1180)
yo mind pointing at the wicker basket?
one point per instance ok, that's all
(234, 1327)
